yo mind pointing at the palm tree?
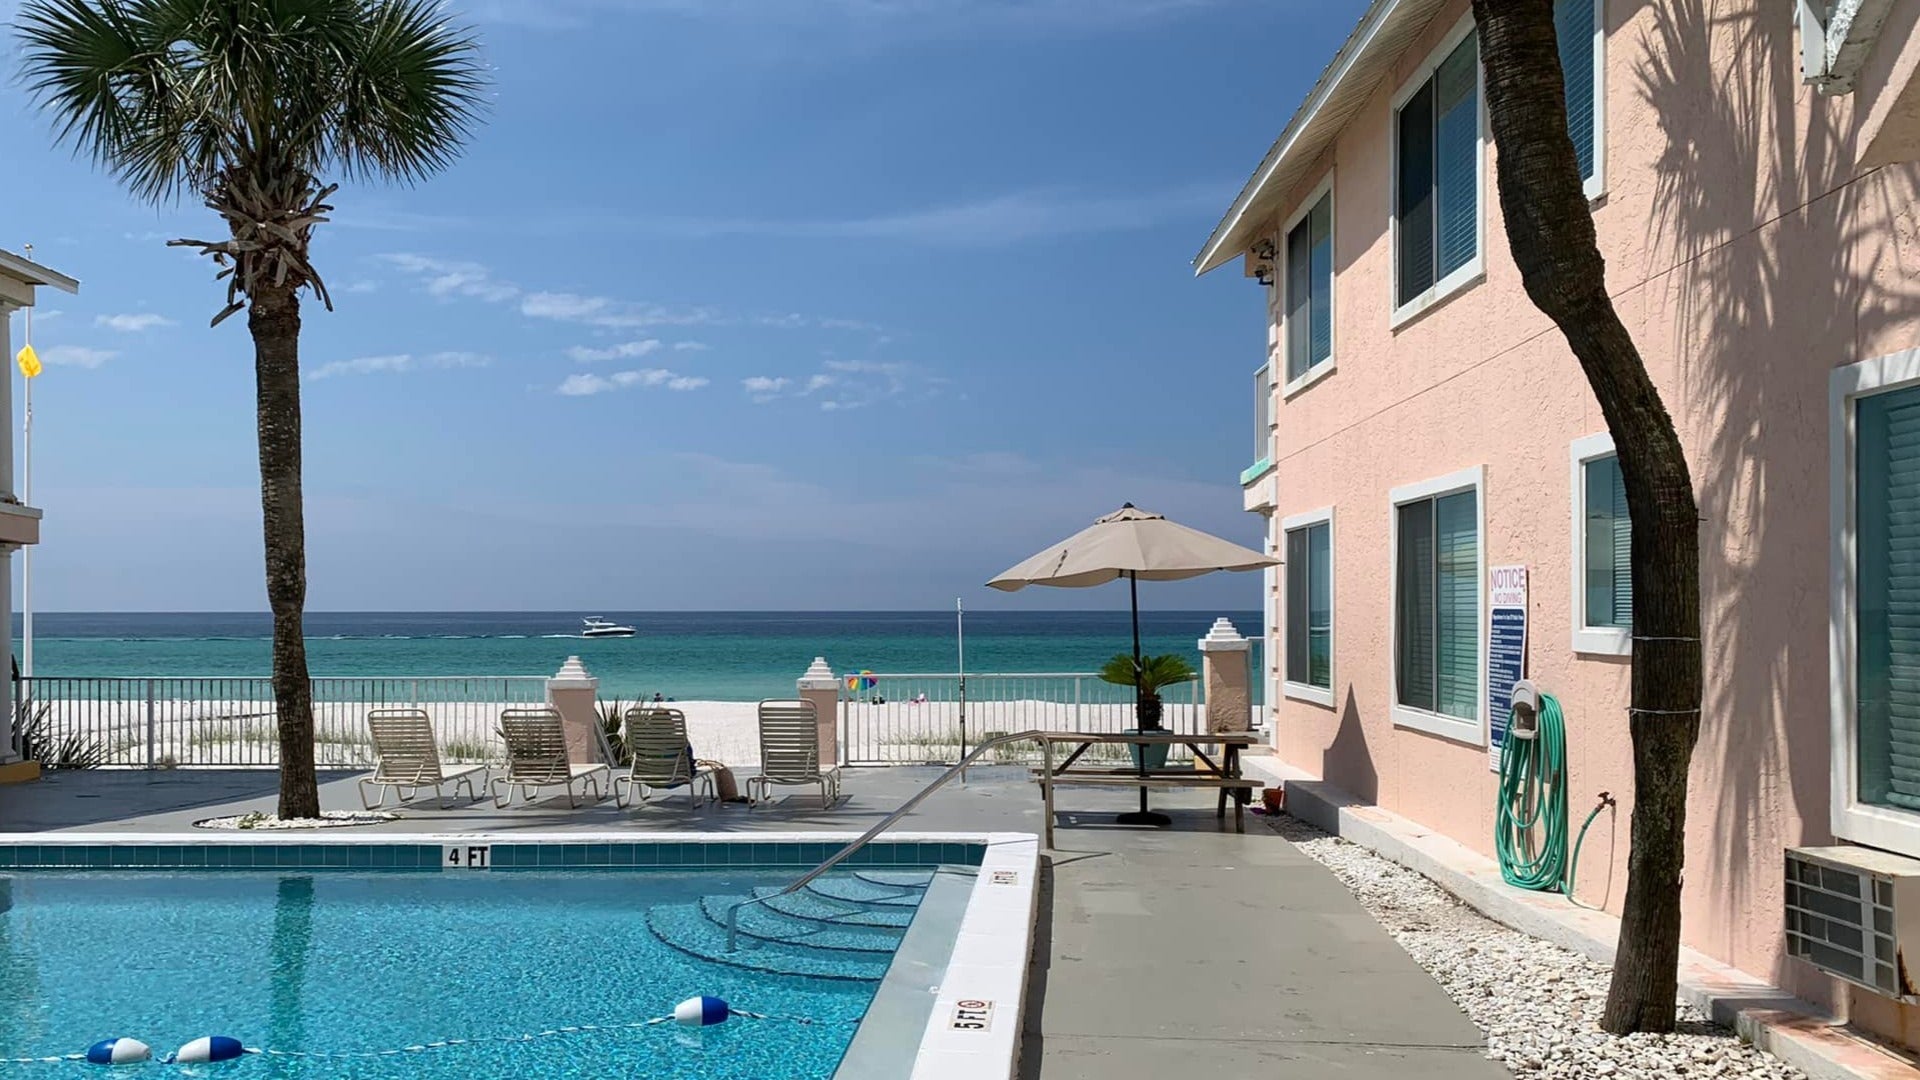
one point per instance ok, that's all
(249, 105)
(1550, 229)
(1152, 675)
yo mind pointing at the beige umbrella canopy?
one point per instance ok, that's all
(1130, 543)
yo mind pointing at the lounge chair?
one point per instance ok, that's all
(407, 759)
(537, 758)
(790, 751)
(657, 745)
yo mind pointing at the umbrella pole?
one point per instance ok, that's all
(1144, 816)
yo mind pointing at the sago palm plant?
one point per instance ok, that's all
(251, 105)
(1155, 674)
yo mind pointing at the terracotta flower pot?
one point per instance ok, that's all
(1274, 799)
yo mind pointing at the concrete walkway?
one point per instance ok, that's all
(1158, 952)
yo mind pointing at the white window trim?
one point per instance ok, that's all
(1473, 270)
(1264, 404)
(1596, 185)
(1594, 640)
(1875, 826)
(1313, 374)
(1307, 691)
(1472, 732)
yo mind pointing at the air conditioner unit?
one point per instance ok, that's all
(1855, 913)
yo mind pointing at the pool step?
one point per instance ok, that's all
(687, 928)
(759, 923)
(897, 879)
(816, 908)
(853, 890)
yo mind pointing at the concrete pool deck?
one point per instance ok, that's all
(1157, 952)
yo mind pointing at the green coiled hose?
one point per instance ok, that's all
(1530, 832)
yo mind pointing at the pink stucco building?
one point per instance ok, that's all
(1420, 424)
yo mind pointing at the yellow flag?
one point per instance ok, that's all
(29, 361)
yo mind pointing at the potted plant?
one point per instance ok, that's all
(1154, 674)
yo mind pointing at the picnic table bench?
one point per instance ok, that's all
(1224, 774)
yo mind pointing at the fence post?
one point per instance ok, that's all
(1079, 711)
(1227, 678)
(820, 686)
(150, 732)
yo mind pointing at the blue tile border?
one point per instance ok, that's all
(745, 853)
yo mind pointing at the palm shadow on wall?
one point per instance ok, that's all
(1754, 205)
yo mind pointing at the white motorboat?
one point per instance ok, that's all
(595, 626)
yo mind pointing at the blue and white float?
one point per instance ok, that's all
(207, 1048)
(118, 1052)
(701, 1011)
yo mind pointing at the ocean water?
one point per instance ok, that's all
(356, 963)
(716, 656)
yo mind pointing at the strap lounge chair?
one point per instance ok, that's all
(537, 758)
(408, 759)
(790, 751)
(657, 742)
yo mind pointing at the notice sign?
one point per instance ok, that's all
(1506, 650)
(972, 1014)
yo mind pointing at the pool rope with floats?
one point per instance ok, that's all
(702, 1011)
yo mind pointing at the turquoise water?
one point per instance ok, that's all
(356, 963)
(722, 656)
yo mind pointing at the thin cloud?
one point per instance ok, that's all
(586, 385)
(397, 363)
(691, 346)
(626, 350)
(447, 278)
(79, 356)
(764, 388)
(132, 323)
(988, 221)
(608, 312)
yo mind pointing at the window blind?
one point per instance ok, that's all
(1457, 526)
(1888, 599)
(1320, 606)
(1573, 28)
(1609, 545)
(1414, 199)
(1414, 607)
(1456, 155)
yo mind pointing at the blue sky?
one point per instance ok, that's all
(730, 304)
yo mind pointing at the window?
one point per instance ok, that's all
(1436, 607)
(1875, 659)
(1580, 29)
(1309, 606)
(1262, 424)
(1437, 176)
(1309, 279)
(1602, 551)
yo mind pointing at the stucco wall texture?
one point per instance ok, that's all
(1749, 255)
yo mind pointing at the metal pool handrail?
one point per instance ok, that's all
(885, 823)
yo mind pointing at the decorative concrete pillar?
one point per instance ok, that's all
(1227, 677)
(575, 695)
(820, 686)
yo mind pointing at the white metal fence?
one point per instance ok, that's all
(217, 721)
(896, 719)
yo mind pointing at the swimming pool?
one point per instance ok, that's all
(337, 969)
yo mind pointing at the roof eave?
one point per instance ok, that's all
(32, 273)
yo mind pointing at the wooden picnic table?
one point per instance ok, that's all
(1223, 774)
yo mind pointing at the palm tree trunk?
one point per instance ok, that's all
(274, 319)
(1550, 230)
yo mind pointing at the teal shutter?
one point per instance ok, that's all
(1320, 606)
(1413, 607)
(1320, 261)
(1573, 28)
(1608, 546)
(1297, 604)
(1457, 599)
(1888, 599)
(1299, 301)
(1622, 552)
(1413, 195)
(1456, 153)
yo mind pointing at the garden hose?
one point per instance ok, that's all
(1573, 865)
(1530, 832)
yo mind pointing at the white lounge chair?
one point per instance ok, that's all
(407, 759)
(790, 751)
(657, 746)
(537, 757)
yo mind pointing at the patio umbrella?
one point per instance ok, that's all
(1134, 544)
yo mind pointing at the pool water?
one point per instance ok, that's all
(353, 963)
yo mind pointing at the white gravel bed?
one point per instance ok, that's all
(1538, 1003)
